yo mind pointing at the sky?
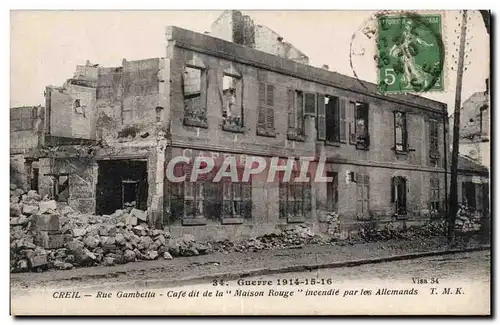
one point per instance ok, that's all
(46, 46)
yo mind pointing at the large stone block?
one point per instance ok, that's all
(48, 206)
(46, 222)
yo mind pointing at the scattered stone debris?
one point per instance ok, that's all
(47, 235)
(294, 237)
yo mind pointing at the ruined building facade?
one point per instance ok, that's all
(105, 137)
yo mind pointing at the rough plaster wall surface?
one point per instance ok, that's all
(18, 174)
(414, 166)
(21, 141)
(222, 27)
(69, 119)
(140, 90)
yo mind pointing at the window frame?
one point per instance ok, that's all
(434, 139)
(197, 117)
(339, 118)
(266, 109)
(236, 123)
(435, 201)
(242, 200)
(288, 198)
(332, 192)
(363, 196)
(296, 129)
(404, 133)
(361, 141)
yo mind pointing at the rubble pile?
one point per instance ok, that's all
(294, 237)
(46, 235)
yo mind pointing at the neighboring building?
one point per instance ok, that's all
(108, 134)
(235, 27)
(473, 185)
(475, 127)
(26, 134)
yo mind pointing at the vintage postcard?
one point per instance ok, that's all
(250, 162)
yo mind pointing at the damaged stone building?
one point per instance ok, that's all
(104, 138)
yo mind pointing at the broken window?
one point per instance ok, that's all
(400, 132)
(295, 115)
(193, 199)
(433, 139)
(434, 187)
(232, 112)
(332, 193)
(360, 136)
(237, 199)
(206, 199)
(331, 122)
(294, 198)
(78, 107)
(362, 196)
(398, 195)
(265, 118)
(60, 186)
(469, 194)
(121, 183)
(194, 92)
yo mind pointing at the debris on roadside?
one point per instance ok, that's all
(47, 235)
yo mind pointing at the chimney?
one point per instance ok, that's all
(325, 66)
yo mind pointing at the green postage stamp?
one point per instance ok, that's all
(410, 53)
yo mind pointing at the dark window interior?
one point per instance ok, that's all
(120, 182)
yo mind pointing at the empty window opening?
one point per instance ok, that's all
(121, 183)
(335, 115)
(399, 188)
(469, 194)
(192, 89)
(60, 186)
(400, 132)
(360, 134)
(231, 101)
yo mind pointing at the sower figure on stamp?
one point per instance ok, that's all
(406, 49)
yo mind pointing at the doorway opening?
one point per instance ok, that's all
(121, 183)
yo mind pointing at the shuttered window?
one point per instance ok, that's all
(310, 104)
(342, 120)
(295, 115)
(434, 191)
(265, 118)
(362, 196)
(236, 199)
(321, 119)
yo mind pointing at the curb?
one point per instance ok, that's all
(159, 283)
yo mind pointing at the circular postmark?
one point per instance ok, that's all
(404, 49)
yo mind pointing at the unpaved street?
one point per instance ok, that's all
(461, 281)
